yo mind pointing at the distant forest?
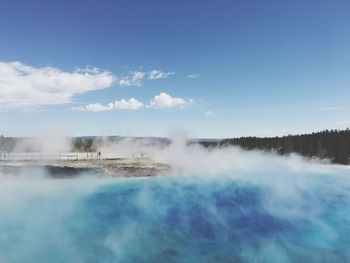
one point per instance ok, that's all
(329, 144)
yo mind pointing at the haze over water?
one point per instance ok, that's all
(249, 207)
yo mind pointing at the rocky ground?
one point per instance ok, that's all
(122, 167)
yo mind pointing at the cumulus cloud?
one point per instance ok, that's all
(22, 85)
(164, 100)
(135, 78)
(158, 74)
(160, 101)
(25, 86)
(131, 104)
(193, 76)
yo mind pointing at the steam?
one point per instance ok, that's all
(49, 145)
(214, 205)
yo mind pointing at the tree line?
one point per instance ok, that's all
(329, 144)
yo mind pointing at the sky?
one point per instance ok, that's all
(215, 69)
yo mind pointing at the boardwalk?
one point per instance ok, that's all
(4, 156)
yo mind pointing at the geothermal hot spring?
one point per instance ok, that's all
(214, 206)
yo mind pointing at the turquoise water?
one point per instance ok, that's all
(177, 219)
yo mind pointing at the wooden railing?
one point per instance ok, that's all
(4, 156)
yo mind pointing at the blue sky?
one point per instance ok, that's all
(220, 68)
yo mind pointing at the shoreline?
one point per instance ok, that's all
(126, 167)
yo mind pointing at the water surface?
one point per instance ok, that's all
(177, 219)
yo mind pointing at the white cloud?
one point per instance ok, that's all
(158, 74)
(25, 86)
(193, 76)
(209, 113)
(135, 78)
(160, 101)
(89, 70)
(131, 104)
(95, 107)
(164, 100)
(22, 85)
